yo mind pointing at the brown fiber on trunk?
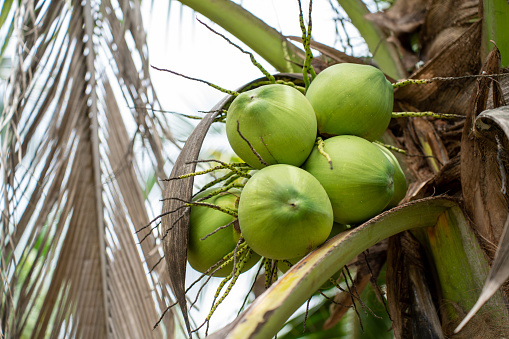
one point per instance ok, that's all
(486, 205)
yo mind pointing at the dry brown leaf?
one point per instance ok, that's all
(409, 301)
(460, 58)
(404, 16)
(78, 269)
(444, 14)
(175, 220)
(480, 175)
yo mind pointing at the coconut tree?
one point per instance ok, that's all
(76, 261)
(443, 237)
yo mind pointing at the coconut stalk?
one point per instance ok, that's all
(257, 35)
(496, 28)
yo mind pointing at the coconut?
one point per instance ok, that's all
(351, 99)
(284, 267)
(360, 184)
(400, 184)
(284, 212)
(278, 122)
(202, 254)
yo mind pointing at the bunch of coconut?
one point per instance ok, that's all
(317, 165)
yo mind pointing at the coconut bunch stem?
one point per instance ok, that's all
(214, 268)
(220, 190)
(306, 41)
(239, 264)
(231, 166)
(227, 178)
(426, 114)
(321, 149)
(391, 148)
(406, 82)
(270, 272)
(226, 210)
(219, 88)
(269, 76)
(210, 170)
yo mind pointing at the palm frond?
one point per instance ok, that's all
(72, 158)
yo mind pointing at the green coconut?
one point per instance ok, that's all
(360, 185)
(400, 184)
(278, 122)
(284, 267)
(351, 99)
(284, 212)
(203, 254)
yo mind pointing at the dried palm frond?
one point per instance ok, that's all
(72, 158)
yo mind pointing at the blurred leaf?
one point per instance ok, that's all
(7, 39)
(496, 28)
(4, 12)
(376, 323)
(151, 181)
(316, 317)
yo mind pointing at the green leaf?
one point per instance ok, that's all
(150, 183)
(267, 314)
(7, 39)
(4, 13)
(314, 325)
(496, 28)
